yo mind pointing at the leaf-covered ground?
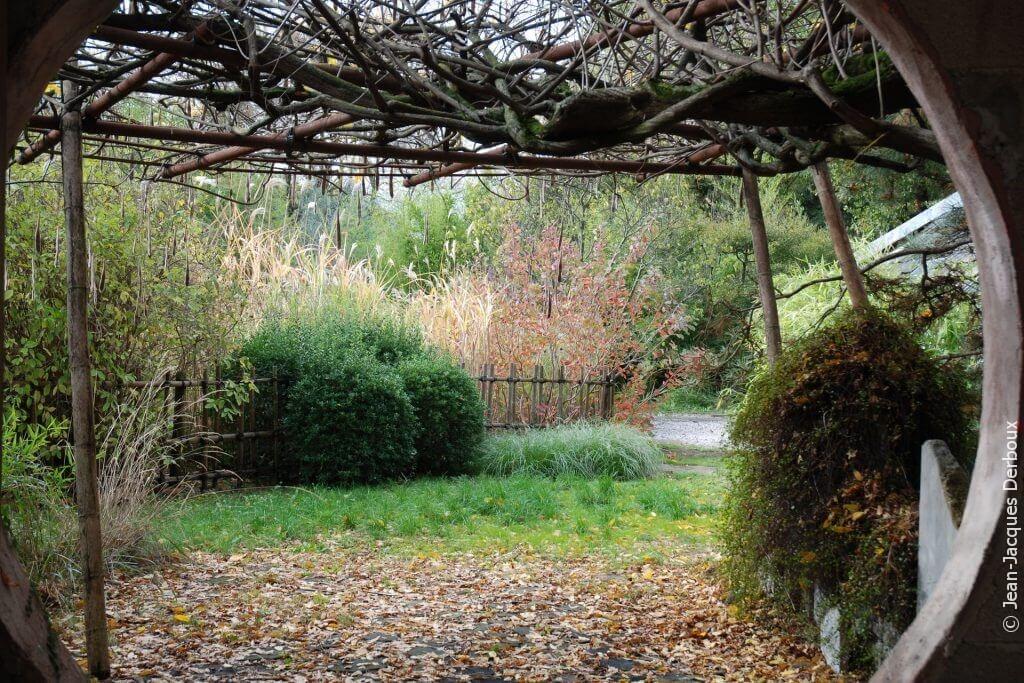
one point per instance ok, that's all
(291, 614)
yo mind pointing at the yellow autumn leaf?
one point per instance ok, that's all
(808, 556)
(857, 515)
(183, 618)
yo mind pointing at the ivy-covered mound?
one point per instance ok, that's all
(825, 485)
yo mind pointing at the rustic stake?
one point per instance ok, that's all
(510, 408)
(277, 428)
(561, 393)
(765, 286)
(83, 429)
(840, 237)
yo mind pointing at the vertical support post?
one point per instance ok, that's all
(240, 445)
(538, 374)
(254, 454)
(277, 428)
(584, 396)
(611, 396)
(840, 237)
(82, 419)
(178, 423)
(765, 285)
(561, 387)
(491, 381)
(606, 397)
(218, 425)
(510, 408)
(204, 389)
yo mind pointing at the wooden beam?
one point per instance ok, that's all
(300, 132)
(135, 130)
(82, 419)
(112, 96)
(708, 153)
(852, 276)
(765, 284)
(449, 169)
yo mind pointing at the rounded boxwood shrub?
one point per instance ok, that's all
(824, 486)
(290, 346)
(349, 421)
(449, 414)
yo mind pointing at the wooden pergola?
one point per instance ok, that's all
(424, 90)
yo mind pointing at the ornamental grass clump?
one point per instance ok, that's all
(582, 450)
(825, 485)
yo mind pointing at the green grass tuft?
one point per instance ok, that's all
(584, 450)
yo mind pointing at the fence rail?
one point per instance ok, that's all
(515, 400)
(231, 440)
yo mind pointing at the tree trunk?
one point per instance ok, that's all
(840, 238)
(83, 429)
(765, 285)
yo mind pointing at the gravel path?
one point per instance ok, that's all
(702, 430)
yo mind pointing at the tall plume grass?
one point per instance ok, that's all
(39, 506)
(277, 272)
(456, 314)
(280, 274)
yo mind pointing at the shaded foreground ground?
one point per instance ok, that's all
(284, 614)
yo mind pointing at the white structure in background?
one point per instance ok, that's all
(941, 214)
(943, 224)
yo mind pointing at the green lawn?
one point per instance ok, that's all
(452, 515)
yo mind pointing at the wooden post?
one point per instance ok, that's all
(203, 424)
(511, 407)
(218, 425)
(254, 455)
(538, 375)
(840, 237)
(83, 428)
(561, 391)
(606, 397)
(277, 428)
(765, 285)
(491, 381)
(177, 424)
(584, 396)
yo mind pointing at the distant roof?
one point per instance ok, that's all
(946, 214)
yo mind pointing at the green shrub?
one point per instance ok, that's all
(586, 450)
(325, 362)
(349, 420)
(291, 346)
(449, 414)
(37, 507)
(824, 487)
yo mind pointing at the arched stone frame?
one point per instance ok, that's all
(965, 63)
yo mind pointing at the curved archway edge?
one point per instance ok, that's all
(965, 63)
